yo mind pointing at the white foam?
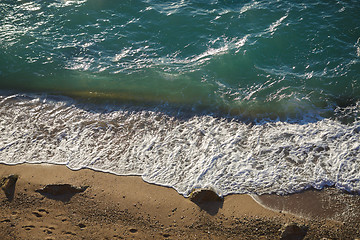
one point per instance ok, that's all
(198, 151)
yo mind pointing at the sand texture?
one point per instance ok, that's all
(53, 202)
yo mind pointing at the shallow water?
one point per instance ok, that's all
(179, 149)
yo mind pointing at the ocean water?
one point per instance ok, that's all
(240, 96)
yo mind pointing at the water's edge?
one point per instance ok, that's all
(183, 152)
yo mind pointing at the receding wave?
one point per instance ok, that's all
(178, 149)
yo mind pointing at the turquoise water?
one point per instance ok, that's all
(240, 96)
(240, 57)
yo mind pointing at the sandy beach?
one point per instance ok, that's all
(147, 119)
(106, 206)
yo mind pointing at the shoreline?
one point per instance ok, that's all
(123, 207)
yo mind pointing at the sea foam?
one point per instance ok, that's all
(181, 151)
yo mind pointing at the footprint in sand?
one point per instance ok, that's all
(28, 227)
(39, 213)
(43, 210)
(81, 225)
(69, 233)
(166, 235)
(48, 230)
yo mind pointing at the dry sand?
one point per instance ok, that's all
(125, 207)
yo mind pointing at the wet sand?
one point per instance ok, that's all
(126, 207)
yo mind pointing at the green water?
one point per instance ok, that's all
(257, 58)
